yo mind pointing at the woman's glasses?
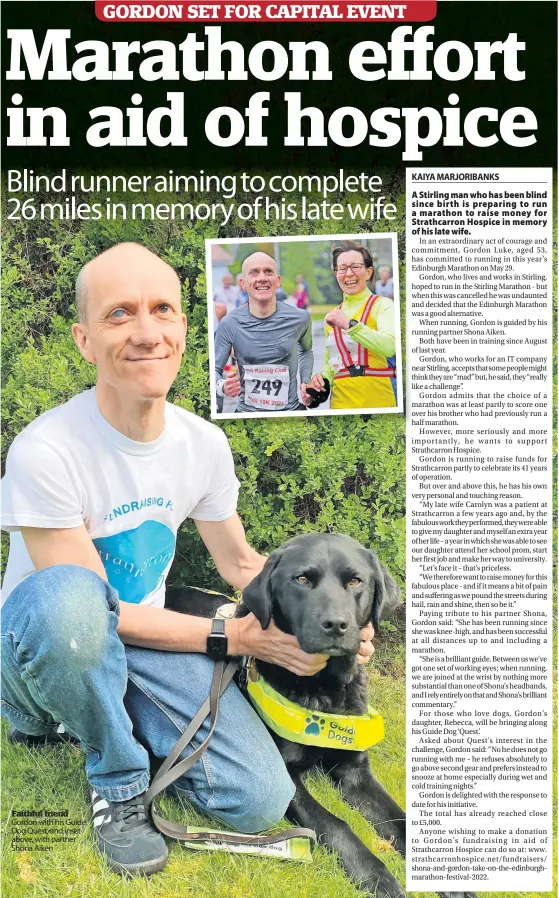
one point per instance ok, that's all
(355, 267)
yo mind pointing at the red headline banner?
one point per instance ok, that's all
(235, 11)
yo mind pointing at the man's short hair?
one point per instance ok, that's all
(255, 253)
(349, 246)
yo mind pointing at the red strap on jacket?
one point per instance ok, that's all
(345, 354)
(362, 352)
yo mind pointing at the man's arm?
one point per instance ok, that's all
(159, 628)
(223, 345)
(237, 562)
(73, 545)
(305, 352)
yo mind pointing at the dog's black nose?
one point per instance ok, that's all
(334, 625)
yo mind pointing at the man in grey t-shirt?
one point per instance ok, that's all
(271, 342)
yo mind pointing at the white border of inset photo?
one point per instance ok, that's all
(304, 413)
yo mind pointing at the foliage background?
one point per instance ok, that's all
(339, 473)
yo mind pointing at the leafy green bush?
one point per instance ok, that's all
(343, 474)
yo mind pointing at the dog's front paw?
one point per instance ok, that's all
(383, 886)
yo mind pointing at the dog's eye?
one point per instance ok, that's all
(302, 579)
(355, 581)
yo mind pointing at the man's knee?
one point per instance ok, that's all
(67, 610)
(266, 801)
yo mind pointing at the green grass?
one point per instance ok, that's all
(53, 778)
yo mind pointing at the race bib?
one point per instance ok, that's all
(267, 387)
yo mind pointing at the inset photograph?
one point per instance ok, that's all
(304, 326)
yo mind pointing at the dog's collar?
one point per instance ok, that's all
(298, 724)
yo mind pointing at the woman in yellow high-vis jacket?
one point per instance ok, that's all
(360, 337)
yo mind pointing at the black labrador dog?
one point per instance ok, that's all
(323, 589)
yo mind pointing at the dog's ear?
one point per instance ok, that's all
(386, 593)
(258, 595)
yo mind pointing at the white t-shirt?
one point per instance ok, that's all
(70, 466)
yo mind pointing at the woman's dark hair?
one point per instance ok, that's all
(349, 246)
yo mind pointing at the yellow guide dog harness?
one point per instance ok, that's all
(298, 724)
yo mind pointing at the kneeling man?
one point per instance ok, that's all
(94, 493)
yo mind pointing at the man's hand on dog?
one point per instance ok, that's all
(276, 647)
(366, 648)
